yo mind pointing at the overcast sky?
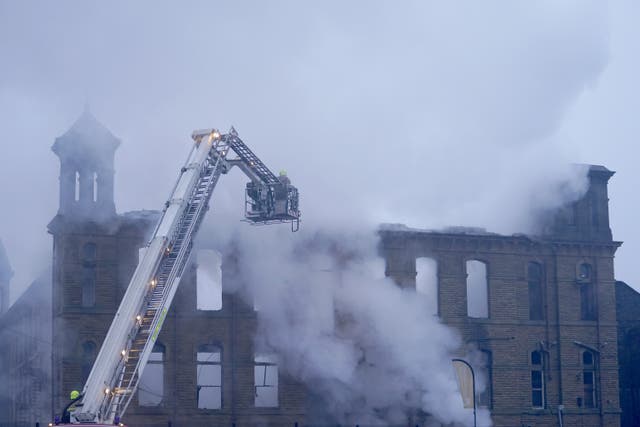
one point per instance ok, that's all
(423, 113)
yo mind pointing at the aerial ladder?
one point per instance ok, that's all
(128, 344)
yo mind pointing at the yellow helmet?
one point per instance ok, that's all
(75, 394)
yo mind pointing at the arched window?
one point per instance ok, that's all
(151, 384)
(427, 281)
(537, 380)
(536, 304)
(589, 379)
(477, 289)
(584, 272)
(265, 374)
(95, 187)
(88, 279)
(588, 309)
(88, 357)
(209, 280)
(209, 377)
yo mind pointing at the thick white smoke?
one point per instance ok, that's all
(371, 352)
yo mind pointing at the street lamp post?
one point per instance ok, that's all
(473, 386)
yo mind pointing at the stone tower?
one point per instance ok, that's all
(95, 251)
(86, 152)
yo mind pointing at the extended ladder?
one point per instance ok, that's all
(126, 349)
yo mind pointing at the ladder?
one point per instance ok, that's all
(133, 332)
(160, 295)
(249, 159)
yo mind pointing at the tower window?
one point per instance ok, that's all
(95, 187)
(209, 377)
(77, 188)
(584, 272)
(265, 374)
(151, 385)
(589, 379)
(588, 309)
(477, 289)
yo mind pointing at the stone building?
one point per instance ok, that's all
(540, 310)
(203, 370)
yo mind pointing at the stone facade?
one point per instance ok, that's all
(552, 295)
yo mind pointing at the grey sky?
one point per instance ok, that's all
(419, 112)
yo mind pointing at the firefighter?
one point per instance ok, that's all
(74, 396)
(284, 178)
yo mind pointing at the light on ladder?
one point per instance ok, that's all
(123, 353)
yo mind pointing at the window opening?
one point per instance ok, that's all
(589, 380)
(266, 380)
(77, 188)
(537, 380)
(477, 289)
(588, 309)
(427, 281)
(209, 377)
(151, 385)
(95, 187)
(209, 280)
(584, 272)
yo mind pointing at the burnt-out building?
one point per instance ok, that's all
(541, 310)
(539, 313)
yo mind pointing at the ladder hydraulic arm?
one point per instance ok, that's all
(138, 321)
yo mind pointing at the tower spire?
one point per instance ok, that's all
(86, 152)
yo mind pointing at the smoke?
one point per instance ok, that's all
(371, 352)
(424, 113)
(427, 114)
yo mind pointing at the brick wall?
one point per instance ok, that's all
(509, 334)
(232, 329)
